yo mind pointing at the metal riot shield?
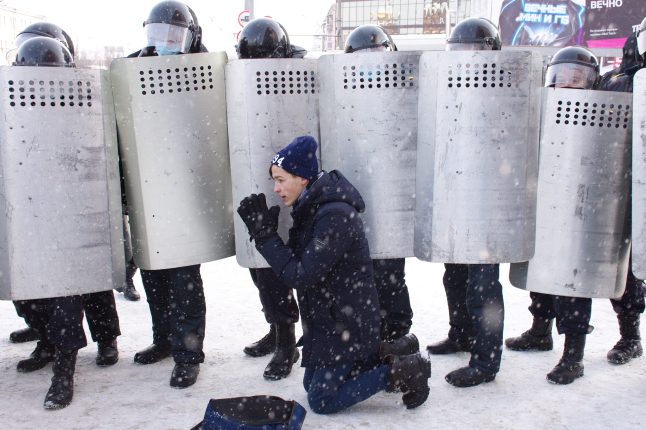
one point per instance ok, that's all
(639, 176)
(477, 151)
(269, 102)
(60, 232)
(368, 105)
(582, 239)
(171, 116)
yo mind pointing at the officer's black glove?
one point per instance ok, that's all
(261, 221)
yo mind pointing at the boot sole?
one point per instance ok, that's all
(255, 353)
(564, 382)
(531, 348)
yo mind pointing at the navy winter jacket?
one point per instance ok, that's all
(327, 261)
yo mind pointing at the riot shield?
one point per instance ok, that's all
(269, 102)
(171, 116)
(639, 176)
(368, 105)
(61, 231)
(582, 240)
(477, 156)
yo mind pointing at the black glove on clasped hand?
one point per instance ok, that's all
(261, 221)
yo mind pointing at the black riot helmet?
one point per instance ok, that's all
(572, 67)
(641, 40)
(474, 34)
(172, 28)
(369, 37)
(43, 52)
(264, 38)
(45, 29)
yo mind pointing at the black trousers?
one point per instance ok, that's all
(178, 310)
(476, 311)
(394, 301)
(631, 303)
(277, 299)
(572, 313)
(58, 320)
(100, 311)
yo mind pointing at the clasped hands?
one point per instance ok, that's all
(261, 221)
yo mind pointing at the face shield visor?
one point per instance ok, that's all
(470, 46)
(641, 41)
(570, 75)
(168, 39)
(374, 49)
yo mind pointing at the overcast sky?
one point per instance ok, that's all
(119, 22)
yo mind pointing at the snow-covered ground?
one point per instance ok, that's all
(130, 396)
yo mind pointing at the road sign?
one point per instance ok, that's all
(244, 17)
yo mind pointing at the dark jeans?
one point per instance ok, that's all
(572, 313)
(277, 299)
(58, 320)
(333, 389)
(178, 310)
(394, 302)
(476, 311)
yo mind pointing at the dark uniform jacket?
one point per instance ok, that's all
(327, 261)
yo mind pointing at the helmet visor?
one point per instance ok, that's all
(471, 46)
(570, 75)
(167, 38)
(641, 41)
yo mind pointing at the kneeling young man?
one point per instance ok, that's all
(327, 261)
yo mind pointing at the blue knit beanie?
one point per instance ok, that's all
(299, 158)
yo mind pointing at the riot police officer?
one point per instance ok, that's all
(100, 308)
(266, 38)
(58, 320)
(175, 295)
(576, 68)
(631, 304)
(473, 292)
(394, 301)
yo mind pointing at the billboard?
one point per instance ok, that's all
(558, 23)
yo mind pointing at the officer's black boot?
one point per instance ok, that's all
(129, 291)
(184, 375)
(153, 354)
(537, 338)
(264, 346)
(107, 353)
(410, 374)
(43, 354)
(450, 346)
(629, 346)
(286, 353)
(26, 334)
(405, 345)
(62, 389)
(569, 367)
(468, 377)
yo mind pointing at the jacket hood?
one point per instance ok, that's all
(330, 187)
